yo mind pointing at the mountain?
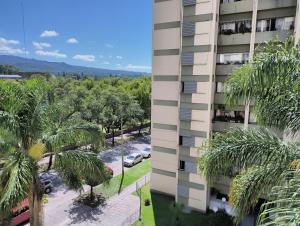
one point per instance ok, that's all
(32, 65)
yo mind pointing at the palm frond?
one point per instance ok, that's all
(251, 185)
(283, 207)
(271, 81)
(76, 166)
(16, 179)
(239, 149)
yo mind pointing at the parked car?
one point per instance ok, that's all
(133, 159)
(46, 182)
(20, 214)
(146, 153)
(47, 186)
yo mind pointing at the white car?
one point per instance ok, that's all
(146, 153)
(133, 159)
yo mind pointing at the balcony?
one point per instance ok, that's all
(219, 98)
(262, 37)
(227, 119)
(228, 69)
(234, 39)
(225, 126)
(236, 7)
(272, 4)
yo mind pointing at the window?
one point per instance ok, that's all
(180, 140)
(229, 28)
(223, 115)
(181, 165)
(232, 58)
(276, 24)
(220, 87)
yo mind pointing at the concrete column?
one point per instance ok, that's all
(297, 22)
(251, 53)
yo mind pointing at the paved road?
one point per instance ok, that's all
(112, 156)
(62, 211)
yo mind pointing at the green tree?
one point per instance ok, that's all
(21, 120)
(8, 69)
(141, 90)
(257, 158)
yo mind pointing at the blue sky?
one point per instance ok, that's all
(113, 34)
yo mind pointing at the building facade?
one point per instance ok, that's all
(197, 44)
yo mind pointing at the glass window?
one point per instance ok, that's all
(289, 23)
(262, 26)
(227, 28)
(232, 58)
(276, 24)
(220, 87)
(223, 115)
(181, 165)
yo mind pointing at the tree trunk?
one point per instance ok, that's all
(113, 137)
(50, 162)
(35, 205)
(122, 155)
(140, 127)
(92, 194)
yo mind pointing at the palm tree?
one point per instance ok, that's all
(64, 128)
(22, 144)
(257, 159)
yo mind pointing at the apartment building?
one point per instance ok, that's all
(197, 44)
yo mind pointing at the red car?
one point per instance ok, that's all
(20, 214)
(110, 171)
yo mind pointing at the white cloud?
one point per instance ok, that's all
(41, 45)
(89, 58)
(5, 42)
(72, 41)
(11, 50)
(119, 57)
(7, 46)
(109, 45)
(55, 53)
(105, 62)
(119, 65)
(138, 67)
(48, 34)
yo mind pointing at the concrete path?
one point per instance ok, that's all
(120, 210)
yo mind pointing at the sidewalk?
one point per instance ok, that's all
(115, 212)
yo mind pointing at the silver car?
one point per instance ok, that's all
(133, 159)
(146, 153)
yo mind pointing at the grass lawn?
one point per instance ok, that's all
(131, 175)
(162, 212)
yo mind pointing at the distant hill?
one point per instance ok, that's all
(58, 68)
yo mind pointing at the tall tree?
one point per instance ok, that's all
(21, 119)
(257, 158)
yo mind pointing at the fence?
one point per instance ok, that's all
(135, 216)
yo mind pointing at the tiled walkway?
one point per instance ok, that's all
(120, 210)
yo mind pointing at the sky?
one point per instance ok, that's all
(112, 34)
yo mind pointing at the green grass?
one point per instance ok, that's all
(162, 212)
(131, 175)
